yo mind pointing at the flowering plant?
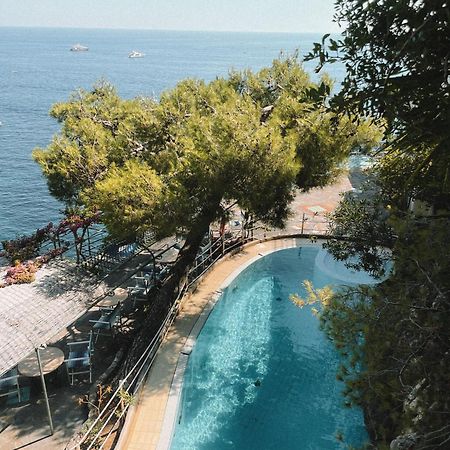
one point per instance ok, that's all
(21, 273)
(26, 247)
(25, 272)
(77, 222)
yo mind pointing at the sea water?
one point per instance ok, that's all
(38, 69)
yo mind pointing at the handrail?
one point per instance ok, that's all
(147, 356)
(144, 363)
(141, 363)
(66, 238)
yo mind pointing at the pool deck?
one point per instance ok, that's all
(150, 421)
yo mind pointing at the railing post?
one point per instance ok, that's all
(89, 243)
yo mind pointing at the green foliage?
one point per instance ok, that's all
(135, 189)
(299, 108)
(396, 340)
(326, 142)
(409, 42)
(284, 77)
(98, 129)
(362, 234)
(404, 175)
(396, 59)
(167, 164)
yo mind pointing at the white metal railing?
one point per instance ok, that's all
(132, 381)
(130, 384)
(211, 253)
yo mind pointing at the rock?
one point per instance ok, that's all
(404, 442)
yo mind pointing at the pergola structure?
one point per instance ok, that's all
(32, 315)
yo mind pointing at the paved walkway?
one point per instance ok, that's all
(150, 421)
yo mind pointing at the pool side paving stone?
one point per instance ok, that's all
(149, 423)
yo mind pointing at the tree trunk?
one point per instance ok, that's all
(169, 291)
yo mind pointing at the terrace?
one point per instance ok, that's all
(61, 306)
(62, 303)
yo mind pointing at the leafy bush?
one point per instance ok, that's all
(26, 247)
(21, 273)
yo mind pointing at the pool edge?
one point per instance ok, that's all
(172, 409)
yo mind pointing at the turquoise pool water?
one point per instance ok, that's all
(262, 374)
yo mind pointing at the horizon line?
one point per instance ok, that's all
(166, 29)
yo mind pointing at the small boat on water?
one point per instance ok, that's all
(79, 48)
(136, 54)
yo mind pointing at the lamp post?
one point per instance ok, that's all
(44, 388)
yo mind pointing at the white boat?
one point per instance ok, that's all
(79, 48)
(136, 54)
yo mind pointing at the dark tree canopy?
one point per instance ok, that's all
(175, 164)
(395, 341)
(395, 336)
(396, 55)
(409, 84)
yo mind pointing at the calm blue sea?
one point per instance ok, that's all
(37, 69)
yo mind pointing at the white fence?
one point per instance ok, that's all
(109, 418)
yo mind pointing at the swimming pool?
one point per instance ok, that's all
(262, 374)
